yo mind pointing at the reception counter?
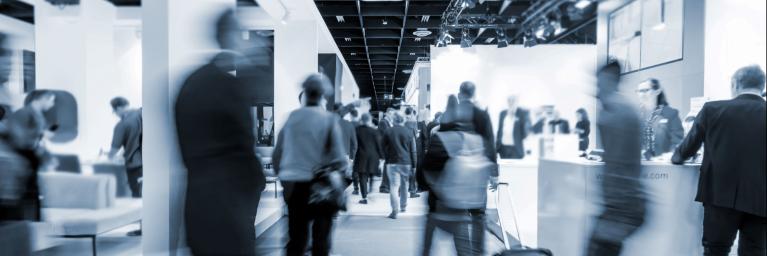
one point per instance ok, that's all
(569, 196)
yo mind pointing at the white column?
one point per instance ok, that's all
(295, 58)
(177, 38)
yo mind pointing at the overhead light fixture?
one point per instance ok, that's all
(425, 18)
(340, 19)
(422, 32)
(417, 39)
(662, 24)
(503, 41)
(347, 39)
(557, 25)
(444, 39)
(465, 38)
(385, 22)
(468, 3)
(412, 54)
(528, 40)
(582, 4)
(353, 54)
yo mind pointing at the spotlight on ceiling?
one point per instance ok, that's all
(544, 30)
(503, 41)
(444, 39)
(340, 19)
(582, 4)
(468, 3)
(465, 38)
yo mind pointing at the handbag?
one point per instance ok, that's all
(464, 180)
(327, 189)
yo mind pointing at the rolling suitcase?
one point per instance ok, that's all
(521, 249)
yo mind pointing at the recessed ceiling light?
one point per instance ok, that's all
(340, 19)
(412, 54)
(582, 4)
(353, 54)
(422, 32)
(347, 39)
(407, 71)
(425, 18)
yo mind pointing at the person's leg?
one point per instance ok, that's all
(412, 185)
(385, 179)
(321, 234)
(363, 183)
(403, 192)
(394, 179)
(134, 175)
(477, 231)
(720, 225)
(504, 152)
(356, 182)
(753, 234)
(428, 235)
(461, 237)
(298, 221)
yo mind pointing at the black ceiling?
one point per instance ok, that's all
(18, 10)
(138, 2)
(376, 37)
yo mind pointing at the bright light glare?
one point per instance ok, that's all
(582, 4)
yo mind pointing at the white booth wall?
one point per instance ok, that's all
(560, 75)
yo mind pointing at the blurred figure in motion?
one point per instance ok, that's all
(513, 127)
(411, 122)
(732, 179)
(127, 135)
(348, 137)
(452, 176)
(383, 126)
(661, 127)
(369, 155)
(399, 145)
(583, 129)
(623, 195)
(310, 140)
(215, 132)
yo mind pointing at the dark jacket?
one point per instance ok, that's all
(370, 150)
(668, 131)
(521, 129)
(399, 145)
(732, 133)
(348, 137)
(215, 128)
(481, 124)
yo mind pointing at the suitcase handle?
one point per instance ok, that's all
(513, 214)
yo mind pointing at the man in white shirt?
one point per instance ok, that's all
(513, 127)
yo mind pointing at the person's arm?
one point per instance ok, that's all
(501, 123)
(485, 129)
(690, 145)
(526, 124)
(335, 148)
(354, 143)
(676, 130)
(118, 139)
(277, 154)
(413, 154)
(586, 129)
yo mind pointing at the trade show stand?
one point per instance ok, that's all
(569, 197)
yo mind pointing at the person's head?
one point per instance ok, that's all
(582, 115)
(315, 86)
(748, 79)
(651, 94)
(119, 106)
(608, 77)
(354, 114)
(466, 91)
(437, 116)
(228, 32)
(41, 100)
(410, 112)
(512, 101)
(5, 59)
(398, 119)
(366, 119)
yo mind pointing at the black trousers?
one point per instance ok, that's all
(364, 182)
(510, 152)
(301, 216)
(720, 225)
(385, 179)
(134, 176)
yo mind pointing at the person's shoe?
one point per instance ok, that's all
(414, 195)
(134, 233)
(383, 190)
(355, 192)
(364, 201)
(393, 215)
(402, 210)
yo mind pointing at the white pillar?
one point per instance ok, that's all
(295, 58)
(177, 38)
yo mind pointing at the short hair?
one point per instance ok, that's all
(612, 67)
(409, 111)
(398, 118)
(37, 95)
(749, 77)
(315, 87)
(583, 113)
(354, 113)
(437, 115)
(118, 102)
(365, 118)
(467, 89)
(226, 21)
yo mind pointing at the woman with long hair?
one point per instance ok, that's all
(662, 128)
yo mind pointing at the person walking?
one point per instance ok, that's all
(127, 135)
(310, 140)
(399, 145)
(369, 154)
(732, 179)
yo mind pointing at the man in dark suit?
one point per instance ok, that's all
(369, 155)
(733, 173)
(215, 133)
(513, 127)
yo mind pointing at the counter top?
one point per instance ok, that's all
(582, 161)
